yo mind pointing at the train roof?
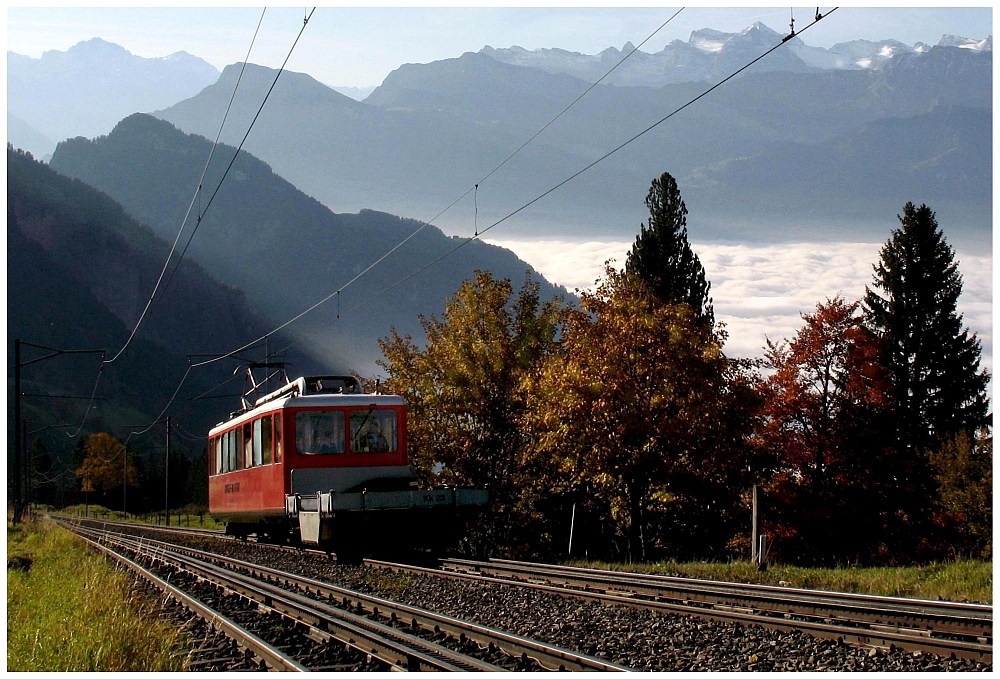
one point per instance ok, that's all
(316, 391)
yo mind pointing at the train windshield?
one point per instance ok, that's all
(373, 431)
(325, 432)
(320, 432)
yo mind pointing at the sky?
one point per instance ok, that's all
(760, 292)
(359, 47)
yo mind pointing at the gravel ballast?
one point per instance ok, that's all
(639, 639)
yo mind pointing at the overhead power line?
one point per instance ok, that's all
(202, 212)
(428, 223)
(494, 224)
(194, 198)
(562, 183)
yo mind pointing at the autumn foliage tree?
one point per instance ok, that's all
(963, 469)
(467, 393)
(644, 419)
(827, 419)
(104, 465)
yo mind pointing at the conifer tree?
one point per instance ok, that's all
(662, 256)
(938, 387)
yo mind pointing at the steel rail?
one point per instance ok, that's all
(243, 637)
(824, 627)
(397, 649)
(545, 655)
(959, 618)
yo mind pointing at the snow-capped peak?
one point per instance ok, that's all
(709, 40)
(986, 44)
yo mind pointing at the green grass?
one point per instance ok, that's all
(964, 580)
(70, 611)
(178, 518)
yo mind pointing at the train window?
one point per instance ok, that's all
(217, 442)
(227, 446)
(319, 432)
(234, 449)
(257, 443)
(373, 431)
(247, 446)
(277, 437)
(265, 439)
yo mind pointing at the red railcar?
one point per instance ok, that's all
(322, 462)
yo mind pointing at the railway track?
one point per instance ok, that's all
(943, 628)
(628, 631)
(374, 633)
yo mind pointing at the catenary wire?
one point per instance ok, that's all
(496, 223)
(200, 217)
(194, 198)
(173, 247)
(557, 186)
(240, 147)
(426, 224)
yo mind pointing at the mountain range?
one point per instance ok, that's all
(432, 131)
(709, 55)
(87, 89)
(810, 145)
(79, 273)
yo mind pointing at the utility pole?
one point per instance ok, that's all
(755, 531)
(26, 458)
(125, 483)
(166, 477)
(17, 431)
(20, 439)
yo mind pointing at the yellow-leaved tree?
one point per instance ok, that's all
(467, 393)
(104, 465)
(647, 423)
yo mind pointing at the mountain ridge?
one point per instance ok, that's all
(80, 271)
(709, 54)
(431, 131)
(284, 249)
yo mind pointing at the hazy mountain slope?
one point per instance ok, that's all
(431, 131)
(24, 136)
(284, 249)
(88, 88)
(79, 274)
(947, 168)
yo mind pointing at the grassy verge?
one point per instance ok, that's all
(177, 518)
(963, 580)
(69, 610)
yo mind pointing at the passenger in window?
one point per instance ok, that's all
(374, 441)
(328, 441)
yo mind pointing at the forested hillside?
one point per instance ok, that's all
(79, 274)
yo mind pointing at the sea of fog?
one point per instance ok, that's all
(761, 291)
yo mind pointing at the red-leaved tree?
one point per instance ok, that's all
(826, 409)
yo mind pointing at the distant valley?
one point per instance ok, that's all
(285, 250)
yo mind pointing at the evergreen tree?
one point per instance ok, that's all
(662, 256)
(938, 388)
